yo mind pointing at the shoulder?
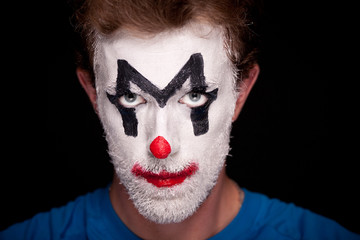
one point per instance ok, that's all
(69, 220)
(263, 218)
(293, 222)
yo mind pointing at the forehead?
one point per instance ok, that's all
(160, 57)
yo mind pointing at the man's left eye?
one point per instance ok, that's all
(193, 99)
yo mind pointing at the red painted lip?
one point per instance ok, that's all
(164, 178)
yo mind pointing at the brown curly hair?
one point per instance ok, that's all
(236, 17)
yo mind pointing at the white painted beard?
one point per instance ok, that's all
(159, 60)
(174, 204)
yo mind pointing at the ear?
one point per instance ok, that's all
(245, 87)
(87, 83)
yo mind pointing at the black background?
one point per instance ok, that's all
(294, 140)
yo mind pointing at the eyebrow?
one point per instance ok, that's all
(193, 69)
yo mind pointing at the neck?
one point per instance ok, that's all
(217, 211)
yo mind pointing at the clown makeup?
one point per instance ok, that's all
(166, 104)
(197, 99)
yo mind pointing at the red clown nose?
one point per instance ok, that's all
(160, 148)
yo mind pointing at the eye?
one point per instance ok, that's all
(131, 100)
(193, 99)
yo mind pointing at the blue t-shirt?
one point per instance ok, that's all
(92, 217)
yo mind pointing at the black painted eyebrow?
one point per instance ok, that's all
(193, 68)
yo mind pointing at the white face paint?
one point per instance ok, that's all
(166, 179)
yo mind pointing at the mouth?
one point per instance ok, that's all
(164, 178)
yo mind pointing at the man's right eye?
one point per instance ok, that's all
(131, 100)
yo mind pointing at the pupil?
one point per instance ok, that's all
(195, 97)
(130, 97)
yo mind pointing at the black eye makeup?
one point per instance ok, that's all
(198, 100)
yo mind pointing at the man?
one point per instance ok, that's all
(167, 79)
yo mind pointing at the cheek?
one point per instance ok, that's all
(222, 109)
(119, 144)
(214, 144)
(220, 115)
(204, 147)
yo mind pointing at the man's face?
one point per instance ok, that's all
(166, 104)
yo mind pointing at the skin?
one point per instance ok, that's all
(214, 214)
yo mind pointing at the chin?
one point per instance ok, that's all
(173, 204)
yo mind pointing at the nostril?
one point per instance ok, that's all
(160, 148)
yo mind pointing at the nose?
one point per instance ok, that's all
(160, 148)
